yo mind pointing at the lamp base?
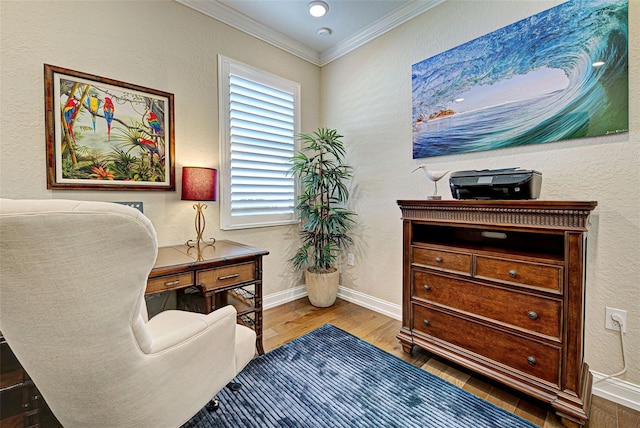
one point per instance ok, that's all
(199, 248)
(199, 224)
(191, 243)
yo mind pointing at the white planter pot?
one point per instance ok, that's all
(322, 288)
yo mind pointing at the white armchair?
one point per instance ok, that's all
(72, 281)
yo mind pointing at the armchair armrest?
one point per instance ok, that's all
(173, 328)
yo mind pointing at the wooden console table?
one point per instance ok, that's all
(208, 277)
(498, 287)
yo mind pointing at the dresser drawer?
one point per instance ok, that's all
(536, 314)
(212, 279)
(510, 271)
(169, 282)
(441, 259)
(527, 356)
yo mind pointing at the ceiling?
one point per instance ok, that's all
(288, 25)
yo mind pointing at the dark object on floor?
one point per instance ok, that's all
(331, 378)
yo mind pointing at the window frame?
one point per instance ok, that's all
(226, 67)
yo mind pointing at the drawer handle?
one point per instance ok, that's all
(426, 287)
(533, 315)
(513, 273)
(531, 361)
(170, 283)
(438, 260)
(222, 278)
(425, 322)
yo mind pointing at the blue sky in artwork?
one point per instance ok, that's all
(534, 84)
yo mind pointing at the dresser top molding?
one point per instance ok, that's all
(561, 215)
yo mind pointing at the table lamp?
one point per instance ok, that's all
(199, 184)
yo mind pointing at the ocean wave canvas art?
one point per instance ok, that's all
(557, 75)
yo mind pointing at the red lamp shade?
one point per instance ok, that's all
(198, 184)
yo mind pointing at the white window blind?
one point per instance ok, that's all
(258, 126)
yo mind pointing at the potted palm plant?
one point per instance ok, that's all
(325, 221)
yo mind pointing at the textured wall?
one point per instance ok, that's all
(157, 44)
(367, 96)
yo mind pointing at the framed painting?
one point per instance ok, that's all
(105, 134)
(557, 75)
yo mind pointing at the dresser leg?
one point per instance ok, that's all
(570, 423)
(407, 348)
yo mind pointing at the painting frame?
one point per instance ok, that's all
(141, 146)
(557, 75)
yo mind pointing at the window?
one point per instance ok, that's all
(259, 122)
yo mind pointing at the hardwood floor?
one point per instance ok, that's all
(289, 321)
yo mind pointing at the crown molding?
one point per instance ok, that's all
(243, 23)
(377, 29)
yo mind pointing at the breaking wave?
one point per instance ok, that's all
(568, 38)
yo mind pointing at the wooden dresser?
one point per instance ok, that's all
(499, 287)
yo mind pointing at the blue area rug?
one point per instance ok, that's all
(330, 378)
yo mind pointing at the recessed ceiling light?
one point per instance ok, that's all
(598, 63)
(318, 8)
(326, 32)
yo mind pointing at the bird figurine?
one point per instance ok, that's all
(109, 110)
(70, 111)
(433, 176)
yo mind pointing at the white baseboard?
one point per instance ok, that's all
(369, 302)
(621, 392)
(360, 299)
(282, 297)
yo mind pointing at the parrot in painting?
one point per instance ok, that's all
(93, 103)
(109, 109)
(70, 111)
(149, 145)
(152, 119)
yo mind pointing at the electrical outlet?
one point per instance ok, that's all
(608, 321)
(351, 260)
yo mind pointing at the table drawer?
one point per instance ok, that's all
(527, 356)
(169, 282)
(536, 314)
(211, 279)
(19, 400)
(442, 259)
(510, 271)
(11, 372)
